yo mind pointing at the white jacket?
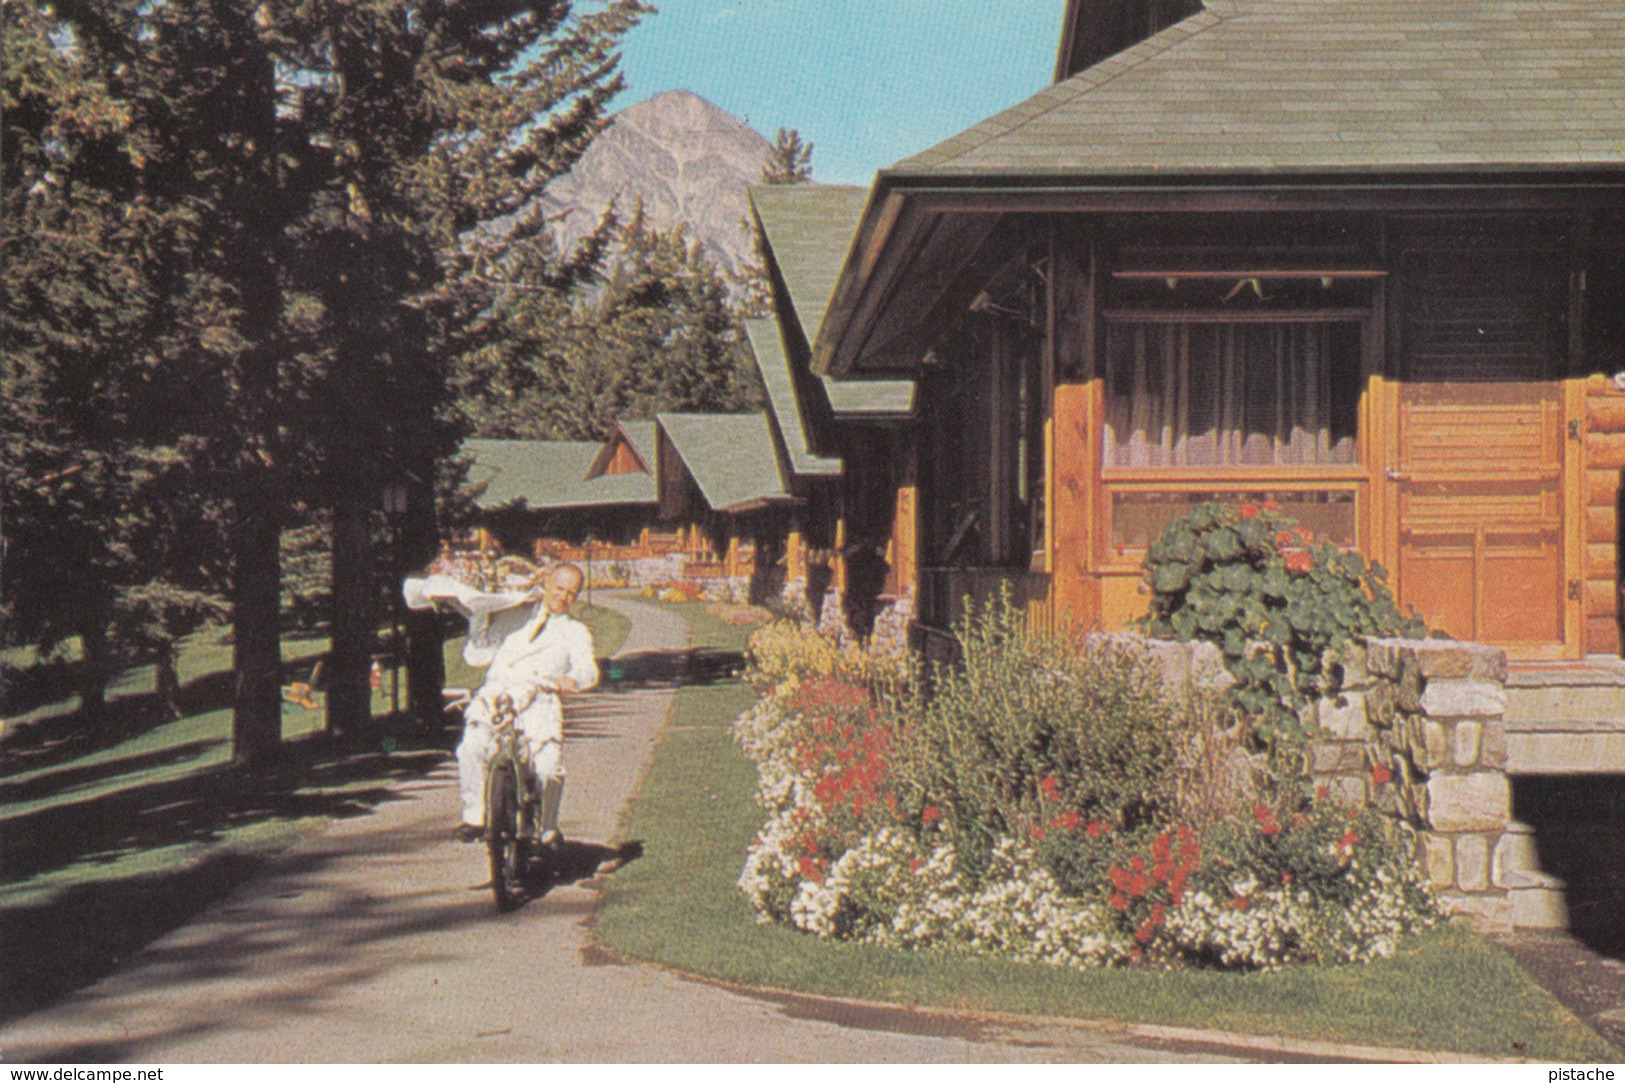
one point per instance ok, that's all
(528, 666)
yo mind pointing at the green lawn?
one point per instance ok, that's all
(678, 905)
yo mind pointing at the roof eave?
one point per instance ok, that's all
(945, 189)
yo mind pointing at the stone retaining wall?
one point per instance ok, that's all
(1416, 728)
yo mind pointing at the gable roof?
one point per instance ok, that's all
(1325, 85)
(638, 435)
(784, 399)
(730, 456)
(808, 230)
(549, 474)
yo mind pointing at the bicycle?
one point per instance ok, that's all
(512, 806)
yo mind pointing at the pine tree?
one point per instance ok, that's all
(657, 331)
(790, 160)
(293, 191)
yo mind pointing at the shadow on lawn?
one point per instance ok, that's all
(80, 931)
(668, 669)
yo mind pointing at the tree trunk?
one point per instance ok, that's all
(354, 620)
(95, 665)
(425, 660)
(256, 725)
(168, 680)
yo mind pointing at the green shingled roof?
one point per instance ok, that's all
(730, 456)
(809, 230)
(1326, 85)
(788, 414)
(549, 474)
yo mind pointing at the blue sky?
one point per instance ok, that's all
(866, 81)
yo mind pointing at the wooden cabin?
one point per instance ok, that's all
(846, 448)
(1366, 259)
(705, 488)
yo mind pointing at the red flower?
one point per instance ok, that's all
(1283, 539)
(1097, 828)
(1266, 820)
(1117, 901)
(1348, 840)
(915, 865)
(930, 814)
(1067, 821)
(1249, 511)
(1380, 774)
(810, 870)
(1304, 533)
(1049, 786)
(1270, 505)
(1299, 562)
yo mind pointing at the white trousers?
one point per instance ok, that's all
(476, 750)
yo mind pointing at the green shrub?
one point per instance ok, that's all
(1029, 727)
(1249, 580)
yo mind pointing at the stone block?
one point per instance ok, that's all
(1458, 697)
(1337, 758)
(1539, 906)
(1382, 657)
(1443, 658)
(1408, 689)
(1349, 792)
(1439, 859)
(1472, 862)
(1344, 717)
(1474, 801)
(1379, 705)
(1514, 856)
(1492, 748)
(1464, 743)
(1347, 666)
(1168, 659)
(1489, 913)
(1207, 669)
(1435, 744)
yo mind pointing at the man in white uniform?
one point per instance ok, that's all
(550, 655)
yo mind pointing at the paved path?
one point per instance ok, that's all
(377, 941)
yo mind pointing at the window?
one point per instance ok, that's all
(1231, 393)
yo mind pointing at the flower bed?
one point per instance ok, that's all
(1037, 805)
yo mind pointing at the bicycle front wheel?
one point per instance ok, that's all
(503, 837)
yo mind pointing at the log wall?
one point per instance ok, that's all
(1605, 461)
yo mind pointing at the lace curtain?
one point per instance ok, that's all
(1230, 394)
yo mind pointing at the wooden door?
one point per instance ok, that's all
(1477, 473)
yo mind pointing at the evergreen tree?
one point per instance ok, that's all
(269, 215)
(656, 332)
(790, 160)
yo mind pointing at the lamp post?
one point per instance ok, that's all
(588, 546)
(394, 501)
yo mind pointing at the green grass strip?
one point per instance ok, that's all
(678, 905)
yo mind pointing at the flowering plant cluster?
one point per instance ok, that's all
(1249, 579)
(789, 651)
(675, 591)
(738, 616)
(870, 836)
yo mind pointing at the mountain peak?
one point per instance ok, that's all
(687, 159)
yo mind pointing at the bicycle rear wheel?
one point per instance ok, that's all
(503, 836)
